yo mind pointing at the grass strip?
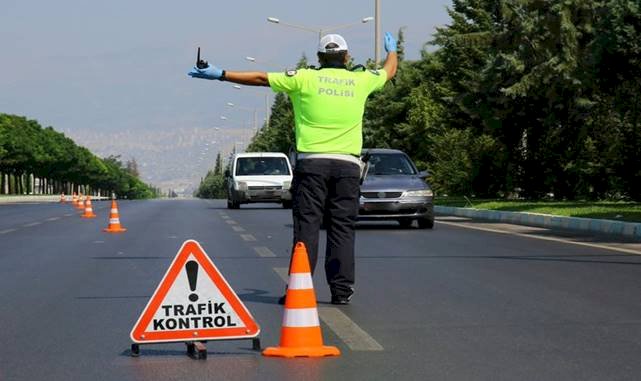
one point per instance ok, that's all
(609, 210)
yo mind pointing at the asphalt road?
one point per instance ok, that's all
(453, 303)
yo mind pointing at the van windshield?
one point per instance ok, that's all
(252, 166)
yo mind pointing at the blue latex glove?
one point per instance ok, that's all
(210, 72)
(390, 43)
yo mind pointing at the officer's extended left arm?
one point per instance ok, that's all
(250, 78)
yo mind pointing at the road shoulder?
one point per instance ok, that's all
(615, 229)
(602, 241)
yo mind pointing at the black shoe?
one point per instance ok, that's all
(281, 300)
(341, 299)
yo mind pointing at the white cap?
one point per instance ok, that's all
(332, 43)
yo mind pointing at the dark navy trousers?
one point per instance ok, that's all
(328, 189)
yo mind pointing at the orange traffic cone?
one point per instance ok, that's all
(114, 220)
(300, 334)
(88, 209)
(74, 199)
(63, 199)
(81, 203)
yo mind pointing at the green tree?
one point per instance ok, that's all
(213, 184)
(28, 151)
(218, 167)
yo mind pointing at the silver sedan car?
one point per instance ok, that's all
(393, 189)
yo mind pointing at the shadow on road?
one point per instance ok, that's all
(176, 353)
(258, 296)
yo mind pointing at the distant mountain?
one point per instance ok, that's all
(175, 159)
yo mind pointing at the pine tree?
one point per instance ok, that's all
(218, 167)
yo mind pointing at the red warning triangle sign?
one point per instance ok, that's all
(193, 302)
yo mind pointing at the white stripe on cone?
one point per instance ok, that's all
(114, 211)
(114, 220)
(300, 317)
(300, 281)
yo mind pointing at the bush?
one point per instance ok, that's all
(459, 158)
(212, 186)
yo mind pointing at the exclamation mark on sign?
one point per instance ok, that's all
(192, 276)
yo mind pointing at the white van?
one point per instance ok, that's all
(259, 177)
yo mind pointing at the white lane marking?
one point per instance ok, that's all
(68, 215)
(231, 222)
(224, 216)
(352, 335)
(31, 224)
(283, 273)
(53, 218)
(248, 237)
(238, 228)
(554, 239)
(7, 231)
(98, 241)
(172, 237)
(264, 251)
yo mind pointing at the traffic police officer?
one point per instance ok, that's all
(328, 107)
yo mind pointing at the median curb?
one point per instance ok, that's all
(631, 230)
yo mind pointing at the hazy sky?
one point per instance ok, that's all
(117, 65)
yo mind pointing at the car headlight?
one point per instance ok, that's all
(287, 185)
(241, 186)
(418, 193)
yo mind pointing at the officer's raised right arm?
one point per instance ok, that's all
(391, 62)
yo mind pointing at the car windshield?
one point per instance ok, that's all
(390, 164)
(251, 166)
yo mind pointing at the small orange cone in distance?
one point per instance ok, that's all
(81, 203)
(114, 220)
(300, 334)
(62, 198)
(74, 199)
(88, 209)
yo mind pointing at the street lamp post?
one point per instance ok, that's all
(263, 62)
(377, 32)
(233, 123)
(319, 31)
(229, 104)
(266, 96)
